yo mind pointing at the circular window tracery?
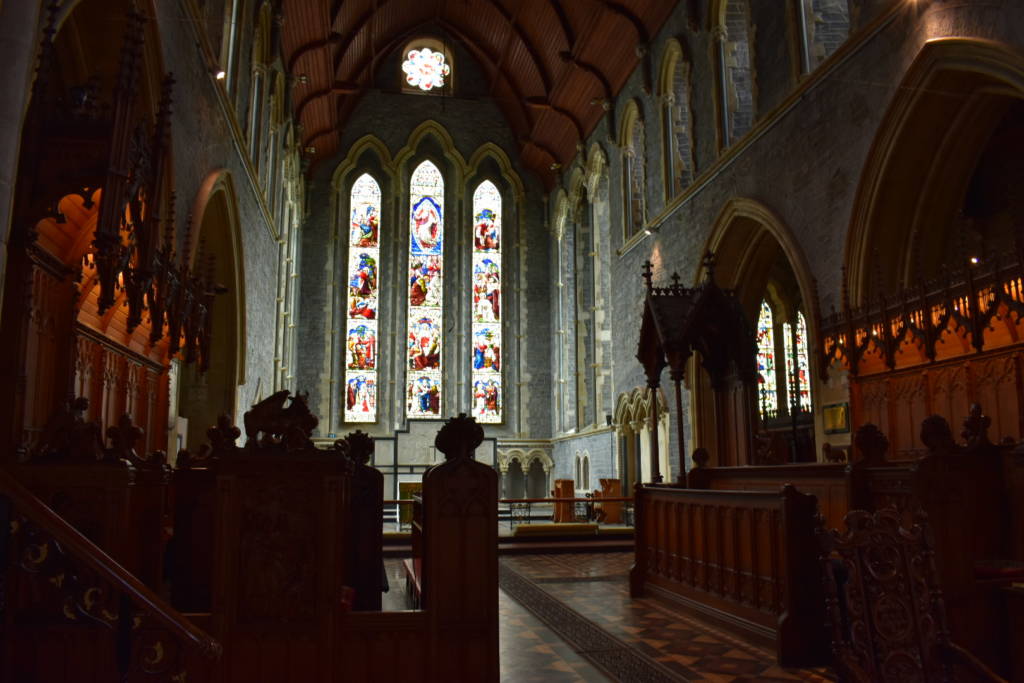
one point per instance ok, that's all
(425, 68)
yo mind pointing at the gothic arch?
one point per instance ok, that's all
(946, 106)
(217, 228)
(632, 421)
(410, 151)
(356, 151)
(219, 187)
(596, 168)
(676, 152)
(751, 245)
(632, 139)
(489, 150)
(737, 241)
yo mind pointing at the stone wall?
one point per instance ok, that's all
(472, 119)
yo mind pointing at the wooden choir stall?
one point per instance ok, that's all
(275, 568)
(741, 544)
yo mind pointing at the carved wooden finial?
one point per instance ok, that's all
(677, 287)
(872, 444)
(222, 435)
(648, 276)
(69, 435)
(709, 266)
(936, 435)
(359, 446)
(459, 437)
(976, 426)
(123, 436)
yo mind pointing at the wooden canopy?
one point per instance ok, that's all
(678, 321)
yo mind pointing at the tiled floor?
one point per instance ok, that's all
(585, 598)
(570, 618)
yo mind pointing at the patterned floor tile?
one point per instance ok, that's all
(585, 599)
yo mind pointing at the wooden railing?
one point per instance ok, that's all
(58, 580)
(746, 558)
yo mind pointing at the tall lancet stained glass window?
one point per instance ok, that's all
(361, 356)
(798, 364)
(486, 376)
(425, 279)
(768, 400)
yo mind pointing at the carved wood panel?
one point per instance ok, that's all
(909, 407)
(997, 387)
(897, 402)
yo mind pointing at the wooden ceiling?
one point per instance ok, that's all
(551, 64)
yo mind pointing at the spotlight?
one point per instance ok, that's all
(220, 75)
(974, 260)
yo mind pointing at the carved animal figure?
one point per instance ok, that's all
(278, 423)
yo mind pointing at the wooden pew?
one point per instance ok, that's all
(748, 559)
(365, 562)
(454, 636)
(280, 568)
(829, 483)
(116, 498)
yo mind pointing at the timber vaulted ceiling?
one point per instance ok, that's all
(554, 66)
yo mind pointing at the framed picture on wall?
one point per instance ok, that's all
(836, 418)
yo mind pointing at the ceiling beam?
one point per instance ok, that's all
(563, 21)
(309, 47)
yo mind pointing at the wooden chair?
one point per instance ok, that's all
(888, 620)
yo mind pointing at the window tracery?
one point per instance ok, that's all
(425, 69)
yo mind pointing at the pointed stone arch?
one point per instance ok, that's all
(216, 225)
(366, 143)
(751, 244)
(942, 113)
(489, 150)
(410, 151)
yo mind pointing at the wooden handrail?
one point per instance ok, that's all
(91, 555)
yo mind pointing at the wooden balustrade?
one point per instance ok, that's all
(745, 558)
(72, 613)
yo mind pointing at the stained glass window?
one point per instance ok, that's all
(486, 375)
(768, 400)
(425, 69)
(798, 363)
(425, 312)
(362, 300)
